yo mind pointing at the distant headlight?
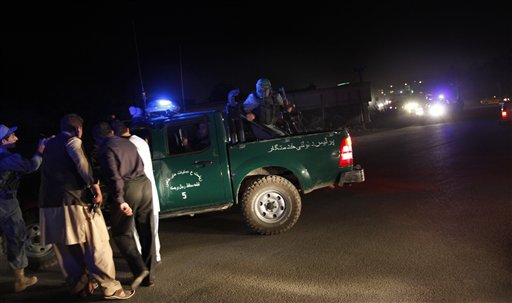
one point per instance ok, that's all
(419, 111)
(437, 110)
(411, 107)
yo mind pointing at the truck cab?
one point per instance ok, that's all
(189, 163)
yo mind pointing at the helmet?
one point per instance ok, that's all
(262, 86)
(263, 83)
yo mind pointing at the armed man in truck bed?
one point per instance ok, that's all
(264, 106)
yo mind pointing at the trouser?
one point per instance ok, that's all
(139, 196)
(78, 262)
(14, 229)
(158, 257)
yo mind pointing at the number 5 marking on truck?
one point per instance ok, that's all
(184, 195)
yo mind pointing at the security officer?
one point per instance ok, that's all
(266, 106)
(12, 167)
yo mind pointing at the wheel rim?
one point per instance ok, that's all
(270, 206)
(35, 248)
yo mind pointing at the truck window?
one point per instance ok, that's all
(188, 136)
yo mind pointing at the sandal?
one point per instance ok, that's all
(120, 294)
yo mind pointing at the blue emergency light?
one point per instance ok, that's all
(162, 107)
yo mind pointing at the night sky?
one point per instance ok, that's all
(82, 57)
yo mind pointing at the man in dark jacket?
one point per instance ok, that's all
(123, 170)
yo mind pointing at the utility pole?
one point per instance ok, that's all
(359, 72)
(363, 107)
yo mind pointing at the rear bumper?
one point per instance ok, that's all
(354, 176)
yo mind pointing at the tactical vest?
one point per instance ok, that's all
(268, 110)
(9, 179)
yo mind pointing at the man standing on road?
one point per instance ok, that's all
(12, 167)
(123, 170)
(121, 130)
(73, 222)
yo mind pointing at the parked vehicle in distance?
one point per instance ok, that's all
(505, 112)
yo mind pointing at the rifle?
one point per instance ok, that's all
(293, 119)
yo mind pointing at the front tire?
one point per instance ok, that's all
(271, 205)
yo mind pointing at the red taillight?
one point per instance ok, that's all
(346, 152)
(504, 114)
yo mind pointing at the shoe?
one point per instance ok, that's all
(120, 294)
(139, 279)
(147, 282)
(21, 281)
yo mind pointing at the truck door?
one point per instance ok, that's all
(190, 175)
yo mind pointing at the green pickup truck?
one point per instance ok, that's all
(201, 171)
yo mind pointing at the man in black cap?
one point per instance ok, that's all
(12, 168)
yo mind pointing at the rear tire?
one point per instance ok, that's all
(271, 205)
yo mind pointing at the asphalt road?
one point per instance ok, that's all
(432, 223)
